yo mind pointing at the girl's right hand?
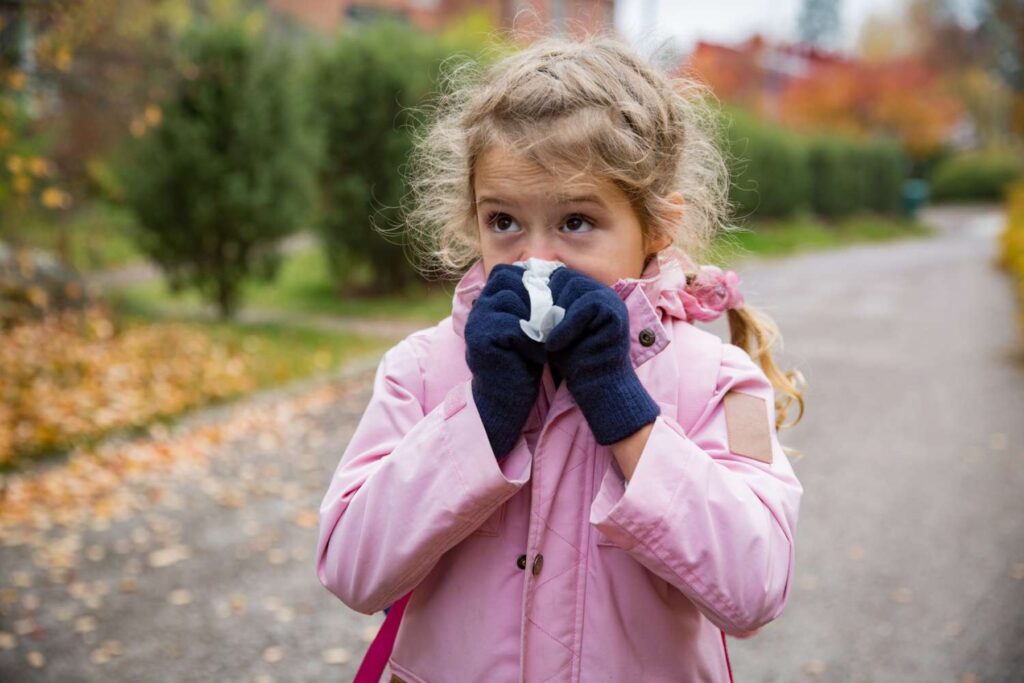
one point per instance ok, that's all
(506, 364)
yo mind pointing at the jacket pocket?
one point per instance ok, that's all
(492, 525)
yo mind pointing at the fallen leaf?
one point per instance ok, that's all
(180, 596)
(36, 659)
(307, 519)
(273, 654)
(814, 667)
(337, 655)
(168, 556)
(85, 624)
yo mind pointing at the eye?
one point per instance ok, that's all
(501, 222)
(576, 223)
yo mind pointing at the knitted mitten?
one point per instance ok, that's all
(506, 364)
(590, 348)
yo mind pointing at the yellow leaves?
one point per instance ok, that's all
(337, 655)
(54, 198)
(1011, 254)
(152, 115)
(307, 519)
(62, 58)
(70, 377)
(86, 624)
(107, 650)
(40, 167)
(165, 557)
(15, 164)
(17, 79)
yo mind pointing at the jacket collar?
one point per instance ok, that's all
(657, 293)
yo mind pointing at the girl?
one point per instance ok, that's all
(609, 502)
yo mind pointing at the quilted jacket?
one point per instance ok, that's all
(548, 566)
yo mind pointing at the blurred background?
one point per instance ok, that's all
(195, 291)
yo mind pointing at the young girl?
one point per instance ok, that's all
(605, 501)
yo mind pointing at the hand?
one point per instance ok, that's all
(506, 364)
(590, 348)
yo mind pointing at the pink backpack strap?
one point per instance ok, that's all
(379, 652)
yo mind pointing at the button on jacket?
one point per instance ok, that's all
(546, 566)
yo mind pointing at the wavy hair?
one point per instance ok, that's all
(586, 103)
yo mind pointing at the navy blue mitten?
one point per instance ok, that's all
(506, 364)
(590, 348)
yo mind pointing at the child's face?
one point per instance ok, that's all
(587, 223)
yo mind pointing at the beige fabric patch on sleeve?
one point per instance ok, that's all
(748, 426)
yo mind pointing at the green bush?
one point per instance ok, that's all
(365, 85)
(837, 176)
(230, 169)
(768, 166)
(777, 173)
(982, 176)
(850, 175)
(886, 172)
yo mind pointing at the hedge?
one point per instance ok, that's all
(776, 172)
(979, 176)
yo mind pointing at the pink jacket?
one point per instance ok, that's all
(547, 566)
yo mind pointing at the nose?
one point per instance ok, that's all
(540, 245)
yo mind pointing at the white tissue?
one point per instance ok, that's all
(544, 315)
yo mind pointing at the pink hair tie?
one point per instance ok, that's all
(711, 291)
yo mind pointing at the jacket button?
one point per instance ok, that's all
(538, 562)
(521, 562)
(647, 336)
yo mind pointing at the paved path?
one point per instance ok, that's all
(910, 545)
(144, 271)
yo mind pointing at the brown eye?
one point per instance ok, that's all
(501, 222)
(578, 223)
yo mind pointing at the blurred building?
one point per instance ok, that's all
(809, 88)
(559, 16)
(756, 74)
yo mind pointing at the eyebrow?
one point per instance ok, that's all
(581, 199)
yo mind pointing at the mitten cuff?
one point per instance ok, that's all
(616, 407)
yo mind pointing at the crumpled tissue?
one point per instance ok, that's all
(544, 315)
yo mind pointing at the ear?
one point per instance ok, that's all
(660, 242)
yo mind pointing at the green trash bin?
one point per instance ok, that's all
(914, 194)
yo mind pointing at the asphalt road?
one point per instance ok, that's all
(910, 547)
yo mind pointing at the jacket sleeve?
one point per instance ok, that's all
(409, 486)
(715, 524)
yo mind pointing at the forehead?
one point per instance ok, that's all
(499, 171)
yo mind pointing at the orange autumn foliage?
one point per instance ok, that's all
(810, 89)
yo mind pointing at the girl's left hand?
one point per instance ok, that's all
(590, 348)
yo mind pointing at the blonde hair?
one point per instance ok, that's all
(590, 105)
